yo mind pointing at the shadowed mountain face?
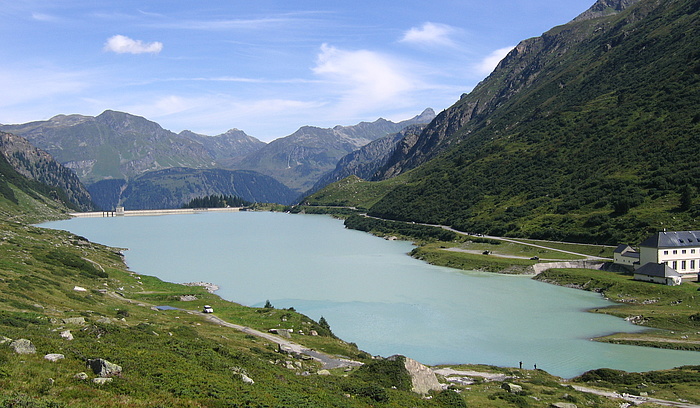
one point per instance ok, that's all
(37, 165)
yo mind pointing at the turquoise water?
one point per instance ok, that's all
(375, 295)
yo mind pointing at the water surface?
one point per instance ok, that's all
(375, 295)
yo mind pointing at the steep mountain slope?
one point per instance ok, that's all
(171, 188)
(587, 133)
(367, 160)
(36, 164)
(111, 145)
(301, 158)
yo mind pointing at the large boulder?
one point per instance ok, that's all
(23, 346)
(423, 379)
(512, 388)
(103, 368)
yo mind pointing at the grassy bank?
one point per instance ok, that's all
(674, 311)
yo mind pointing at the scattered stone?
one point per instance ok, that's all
(188, 298)
(74, 320)
(66, 334)
(4, 340)
(512, 388)
(423, 378)
(81, 376)
(247, 379)
(103, 368)
(105, 320)
(102, 380)
(23, 346)
(562, 405)
(79, 289)
(54, 357)
(51, 381)
(323, 372)
(313, 333)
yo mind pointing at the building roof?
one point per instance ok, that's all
(626, 251)
(672, 239)
(660, 270)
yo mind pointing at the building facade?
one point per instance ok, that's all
(679, 250)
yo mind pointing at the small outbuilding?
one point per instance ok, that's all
(658, 273)
(625, 255)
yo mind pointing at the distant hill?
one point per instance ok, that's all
(55, 180)
(588, 133)
(173, 187)
(301, 158)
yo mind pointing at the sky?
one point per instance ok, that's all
(264, 67)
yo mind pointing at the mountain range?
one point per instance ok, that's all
(113, 150)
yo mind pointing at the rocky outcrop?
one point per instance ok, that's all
(423, 379)
(104, 368)
(54, 357)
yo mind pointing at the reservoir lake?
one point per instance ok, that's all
(372, 293)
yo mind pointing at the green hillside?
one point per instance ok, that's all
(591, 136)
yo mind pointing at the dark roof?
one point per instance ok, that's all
(672, 239)
(622, 248)
(660, 270)
(626, 251)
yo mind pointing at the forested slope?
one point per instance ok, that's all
(590, 135)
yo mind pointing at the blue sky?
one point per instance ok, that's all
(265, 67)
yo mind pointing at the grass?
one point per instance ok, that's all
(673, 310)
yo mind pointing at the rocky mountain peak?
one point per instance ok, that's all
(604, 8)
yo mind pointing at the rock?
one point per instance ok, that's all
(23, 346)
(54, 357)
(188, 298)
(74, 320)
(423, 378)
(512, 388)
(313, 333)
(247, 379)
(102, 380)
(4, 340)
(66, 334)
(105, 320)
(281, 332)
(562, 405)
(79, 289)
(81, 376)
(323, 372)
(104, 368)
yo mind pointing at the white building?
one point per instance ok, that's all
(679, 250)
(626, 255)
(658, 273)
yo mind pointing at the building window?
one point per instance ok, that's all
(692, 251)
(675, 265)
(675, 252)
(692, 264)
(683, 265)
(665, 252)
(683, 251)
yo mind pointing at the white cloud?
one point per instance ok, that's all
(125, 45)
(430, 34)
(488, 64)
(364, 79)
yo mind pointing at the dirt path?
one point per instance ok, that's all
(326, 360)
(633, 398)
(288, 345)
